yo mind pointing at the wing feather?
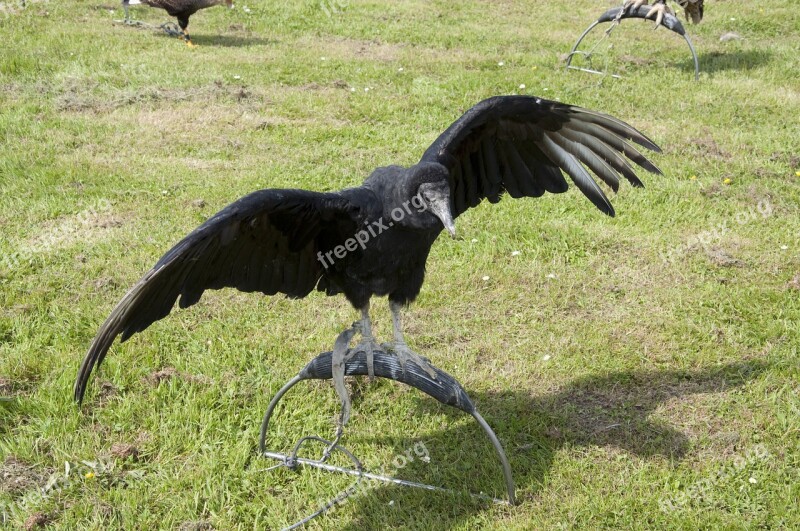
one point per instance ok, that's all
(527, 142)
(266, 241)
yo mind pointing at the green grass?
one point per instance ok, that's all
(671, 330)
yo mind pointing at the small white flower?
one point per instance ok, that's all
(352, 89)
(784, 247)
(546, 357)
(400, 69)
(246, 9)
(425, 459)
(515, 253)
(391, 502)
(474, 240)
(551, 275)
(545, 89)
(323, 58)
(366, 89)
(164, 192)
(485, 278)
(753, 480)
(237, 77)
(522, 86)
(501, 63)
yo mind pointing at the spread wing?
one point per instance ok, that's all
(521, 144)
(266, 241)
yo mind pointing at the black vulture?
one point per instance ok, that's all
(374, 239)
(692, 9)
(180, 9)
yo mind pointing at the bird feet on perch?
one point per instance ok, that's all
(405, 354)
(659, 9)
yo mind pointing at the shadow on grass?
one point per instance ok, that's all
(224, 41)
(713, 62)
(606, 411)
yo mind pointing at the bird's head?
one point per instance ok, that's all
(426, 198)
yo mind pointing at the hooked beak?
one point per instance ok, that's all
(440, 206)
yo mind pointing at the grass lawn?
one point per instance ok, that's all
(642, 371)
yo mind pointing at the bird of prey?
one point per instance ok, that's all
(692, 9)
(180, 9)
(374, 239)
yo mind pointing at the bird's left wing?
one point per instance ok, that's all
(520, 144)
(266, 241)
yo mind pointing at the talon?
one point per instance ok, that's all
(405, 354)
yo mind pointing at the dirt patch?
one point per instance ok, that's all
(639, 61)
(168, 373)
(36, 520)
(721, 258)
(794, 283)
(708, 146)
(125, 451)
(88, 225)
(82, 95)
(344, 47)
(712, 190)
(17, 476)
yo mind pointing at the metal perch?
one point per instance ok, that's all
(443, 388)
(615, 15)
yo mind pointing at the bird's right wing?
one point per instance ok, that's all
(521, 144)
(266, 241)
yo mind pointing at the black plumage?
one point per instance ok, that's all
(180, 9)
(289, 241)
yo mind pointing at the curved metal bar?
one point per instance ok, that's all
(578, 43)
(512, 499)
(277, 398)
(669, 21)
(694, 56)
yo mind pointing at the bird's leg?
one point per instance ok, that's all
(342, 353)
(401, 349)
(184, 24)
(368, 344)
(127, 11)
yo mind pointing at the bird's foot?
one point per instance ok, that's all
(627, 7)
(368, 346)
(659, 9)
(342, 353)
(405, 354)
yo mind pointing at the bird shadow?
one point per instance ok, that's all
(715, 61)
(598, 411)
(230, 41)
